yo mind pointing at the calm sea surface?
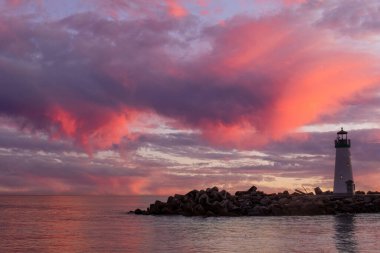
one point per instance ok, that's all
(100, 224)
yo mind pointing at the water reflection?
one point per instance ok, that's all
(99, 224)
(345, 237)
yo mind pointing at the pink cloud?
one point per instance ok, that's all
(176, 9)
(308, 75)
(86, 77)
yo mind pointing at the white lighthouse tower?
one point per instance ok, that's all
(343, 179)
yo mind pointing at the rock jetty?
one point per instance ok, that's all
(212, 202)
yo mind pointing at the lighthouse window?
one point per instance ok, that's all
(341, 177)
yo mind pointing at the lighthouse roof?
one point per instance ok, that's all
(342, 131)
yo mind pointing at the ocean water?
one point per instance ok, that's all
(100, 224)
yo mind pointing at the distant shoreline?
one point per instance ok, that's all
(212, 202)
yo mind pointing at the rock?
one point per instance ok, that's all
(300, 192)
(167, 211)
(255, 211)
(294, 206)
(260, 193)
(239, 193)
(215, 196)
(223, 194)
(209, 190)
(212, 202)
(232, 207)
(265, 201)
(156, 207)
(376, 203)
(200, 193)
(170, 199)
(216, 208)
(347, 209)
(318, 191)
(283, 201)
(204, 199)
(347, 200)
(255, 199)
(307, 208)
(276, 209)
(369, 207)
(367, 199)
(252, 189)
(173, 203)
(199, 210)
(178, 196)
(191, 194)
(259, 211)
(186, 207)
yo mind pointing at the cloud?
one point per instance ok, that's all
(176, 9)
(178, 99)
(352, 18)
(179, 162)
(87, 77)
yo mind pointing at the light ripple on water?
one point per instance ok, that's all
(100, 224)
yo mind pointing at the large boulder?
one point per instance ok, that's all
(191, 194)
(223, 195)
(283, 201)
(214, 196)
(200, 193)
(157, 207)
(213, 189)
(367, 199)
(318, 191)
(265, 201)
(167, 211)
(199, 210)
(204, 200)
(240, 193)
(376, 204)
(217, 208)
(173, 203)
(252, 189)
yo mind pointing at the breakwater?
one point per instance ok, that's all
(212, 202)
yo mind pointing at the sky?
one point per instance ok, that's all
(153, 97)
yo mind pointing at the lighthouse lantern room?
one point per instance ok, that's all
(343, 178)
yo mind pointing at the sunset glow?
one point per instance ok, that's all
(154, 97)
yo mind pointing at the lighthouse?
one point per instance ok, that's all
(343, 178)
